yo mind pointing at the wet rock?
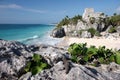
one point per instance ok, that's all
(58, 33)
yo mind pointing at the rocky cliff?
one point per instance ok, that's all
(81, 24)
(14, 57)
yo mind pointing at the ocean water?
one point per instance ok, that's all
(28, 33)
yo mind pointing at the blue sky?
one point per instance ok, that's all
(50, 11)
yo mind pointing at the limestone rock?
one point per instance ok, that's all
(26, 76)
(86, 34)
(118, 29)
(51, 54)
(58, 33)
(13, 57)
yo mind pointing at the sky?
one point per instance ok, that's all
(50, 11)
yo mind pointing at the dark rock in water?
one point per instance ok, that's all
(58, 33)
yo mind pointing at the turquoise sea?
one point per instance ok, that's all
(28, 33)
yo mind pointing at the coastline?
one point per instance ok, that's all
(109, 43)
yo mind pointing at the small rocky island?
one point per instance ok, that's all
(77, 61)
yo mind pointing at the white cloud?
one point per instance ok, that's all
(35, 10)
(118, 10)
(15, 6)
(19, 7)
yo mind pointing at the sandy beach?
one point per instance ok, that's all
(109, 43)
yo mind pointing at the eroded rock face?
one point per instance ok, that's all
(13, 47)
(58, 33)
(86, 34)
(12, 58)
(62, 68)
(77, 72)
(118, 29)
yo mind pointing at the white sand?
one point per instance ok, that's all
(109, 43)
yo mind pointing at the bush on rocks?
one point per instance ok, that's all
(112, 30)
(92, 55)
(37, 64)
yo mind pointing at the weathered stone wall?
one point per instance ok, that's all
(89, 12)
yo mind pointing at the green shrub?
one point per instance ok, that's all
(82, 54)
(112, 30)
(76, 50)
(63, 22)
(106, 54)
(92, 20)
(97, 33)
(92, 31)
(115, 20)
(117, 57)
(36, 65)
(75, 19)
(67, 20)
(80, 31)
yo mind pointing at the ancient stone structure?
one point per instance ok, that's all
(89, 12)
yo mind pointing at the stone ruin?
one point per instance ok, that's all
(89, 12)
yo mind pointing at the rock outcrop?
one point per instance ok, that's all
(12, 64)
(84, 24)
(77, 72)
(89, 19)
(13, 57)
(86, 34)
(58, 33)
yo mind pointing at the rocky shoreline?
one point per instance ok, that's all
(14, 56)
(92, 28)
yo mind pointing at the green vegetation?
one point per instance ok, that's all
(80, 31)
(64, 21)
(112, 30)
(97, 33)
(115, 20)
(112, 20)
(75, 19)
(36, 65)
(80, 53)
(92, 20)
(68, 20)
(92, 31)
(102, 14)
(117, 57)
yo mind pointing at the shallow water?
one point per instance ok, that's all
(28, 33)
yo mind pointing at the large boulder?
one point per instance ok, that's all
(12, 63)
(77, 72)
(58, 33)
(86, 34)
(13, 57)
(118, 29)
(50, 53)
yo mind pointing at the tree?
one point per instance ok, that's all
(102, 14)
(115, 14)
(63, 22)
(75, 19)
